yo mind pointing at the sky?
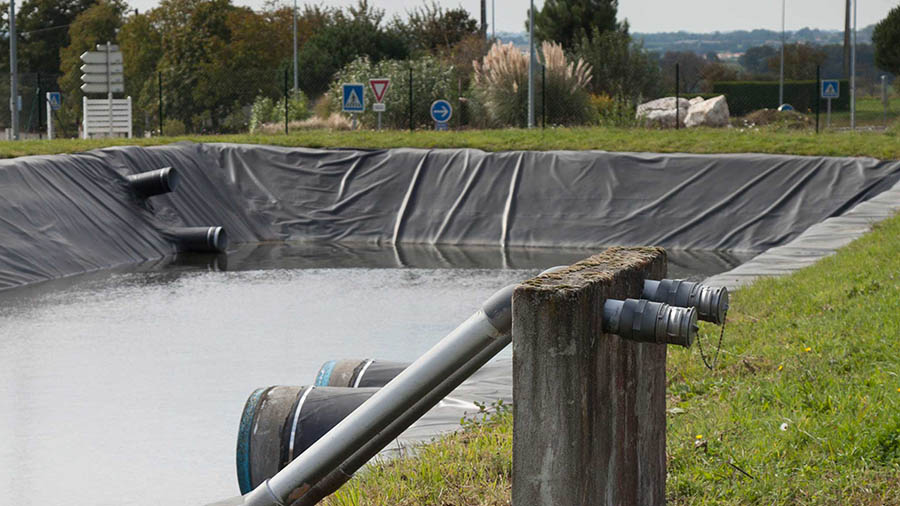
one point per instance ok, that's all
(654, 15)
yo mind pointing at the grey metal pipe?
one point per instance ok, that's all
(336, 478)
(482, 329)
(330, 462)
(711, 302)
(651, 322)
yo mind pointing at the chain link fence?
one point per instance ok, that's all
(268, 104)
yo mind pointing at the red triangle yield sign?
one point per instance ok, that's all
(379, 88)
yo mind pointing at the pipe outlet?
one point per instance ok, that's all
(154, 182)
(711, 302)
(650, 322)
(200, 239)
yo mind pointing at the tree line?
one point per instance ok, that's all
(210, 60)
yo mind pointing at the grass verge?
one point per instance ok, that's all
(803, 407)
(883, 145)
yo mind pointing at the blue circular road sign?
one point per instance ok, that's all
(441, 111)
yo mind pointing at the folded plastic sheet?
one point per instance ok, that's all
(66, 214)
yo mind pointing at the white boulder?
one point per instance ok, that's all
(710, 113)
(661, 112)
(696, 100)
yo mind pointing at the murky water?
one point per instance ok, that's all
(126, 387)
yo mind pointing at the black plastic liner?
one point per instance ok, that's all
(66, 214)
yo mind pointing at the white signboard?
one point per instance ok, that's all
(102, 88)
(98, 57)
(105, 118)
(100, 68)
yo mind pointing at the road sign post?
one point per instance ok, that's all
(379, 88)
(54, 101)
(831, 88)
(102, 72)
(441, 112)
(354, 99)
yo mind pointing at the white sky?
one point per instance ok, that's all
(655, 15)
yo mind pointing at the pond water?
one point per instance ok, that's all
(125, 387)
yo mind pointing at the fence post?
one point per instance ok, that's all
(543, 97)
(677, 85)
(40, 110)
(285, 102)
(160, 89)
(818, 93)
(589, 417)
(410, 98)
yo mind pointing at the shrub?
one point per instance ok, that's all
(500, 88)
(174, 127)
(432, 79)
(265, 110)
(747, 96)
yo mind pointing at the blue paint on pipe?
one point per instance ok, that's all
(243, 442)
(324, 375)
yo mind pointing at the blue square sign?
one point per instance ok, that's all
(55, 100)
(831, 88)
(354, 98)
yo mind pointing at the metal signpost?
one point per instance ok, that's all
(379, 88)
(831, 88)
(103, 73)
(354, 99)
(54, 101)
(441, 112)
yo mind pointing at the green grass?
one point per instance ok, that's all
(763, 140)
(805, 401)
(869, 112)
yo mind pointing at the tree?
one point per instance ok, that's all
(44, 28)
(886, 39)
(690, 69)
(96, 25)
(621, 67)
(430, 28)
(756, 59)
(569, 21)
(800, 61)
(344, 38)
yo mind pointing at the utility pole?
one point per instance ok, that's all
(531, 66)
(781, 78)
(493, 20)
(484, 18)
(13, 73)
(296, 75)
(853, 72)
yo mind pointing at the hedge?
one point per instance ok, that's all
(748, 96)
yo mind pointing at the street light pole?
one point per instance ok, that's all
(296, 78)
(781, 78)
(531, 66)
(13, 73)
(493, 20)
(853, 73)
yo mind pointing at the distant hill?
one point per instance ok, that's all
(722, 42)
(740, 41)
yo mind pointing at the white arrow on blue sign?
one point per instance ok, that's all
(831, 88)
(441, 111)
(354, 98)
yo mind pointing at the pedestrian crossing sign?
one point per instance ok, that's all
(831, 88)
(354, 98)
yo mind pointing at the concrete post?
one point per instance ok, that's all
(589, 416)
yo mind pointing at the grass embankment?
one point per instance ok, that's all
(884, 145)
(803, 407)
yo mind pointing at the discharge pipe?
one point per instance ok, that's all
(391, 410)
(650, 322)
(154, 182)
(711, 302)
(200, 239)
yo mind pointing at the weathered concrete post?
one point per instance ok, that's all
(589, 412)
